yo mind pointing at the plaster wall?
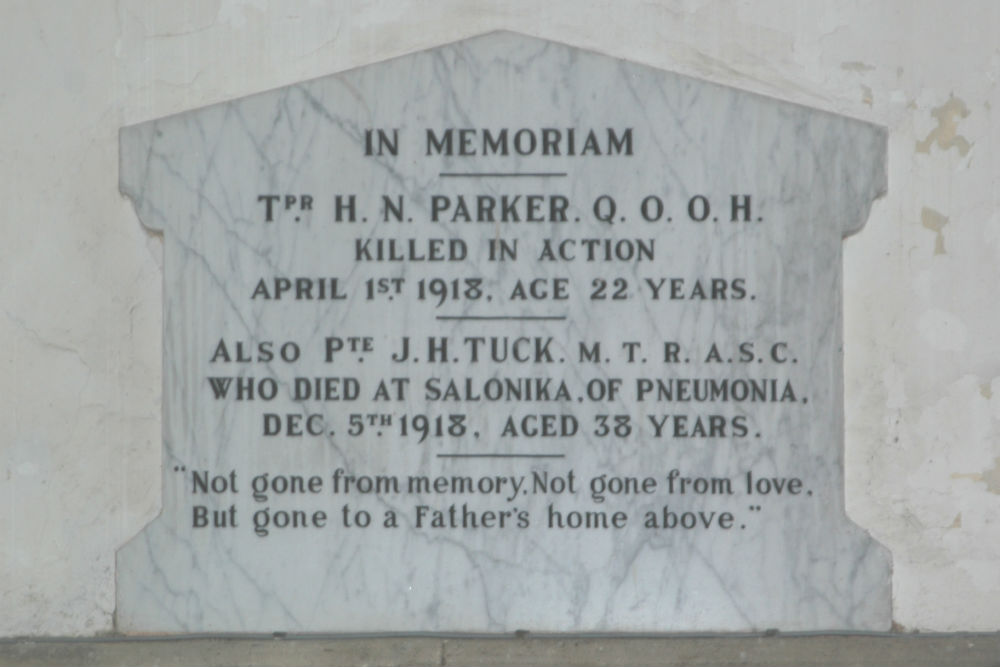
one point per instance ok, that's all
(80, 280)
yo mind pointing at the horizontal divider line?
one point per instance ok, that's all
(501, 456)
(500, 317)
(503, 174)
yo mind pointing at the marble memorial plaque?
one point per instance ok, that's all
(502, 335)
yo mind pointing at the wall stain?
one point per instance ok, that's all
(985, 390)
(867, 96)
(946, 133)
(935, 222)
(989, 477)
(856, 66)
(957, 523)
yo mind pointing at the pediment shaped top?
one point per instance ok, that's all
(470, 92)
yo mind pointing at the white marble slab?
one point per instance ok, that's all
(788, 560)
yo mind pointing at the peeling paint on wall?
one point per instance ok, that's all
(856, 66)
(946, 133)
(990, 477)
(867, 96)
(935, 222)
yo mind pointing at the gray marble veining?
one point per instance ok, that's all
(789, 560)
